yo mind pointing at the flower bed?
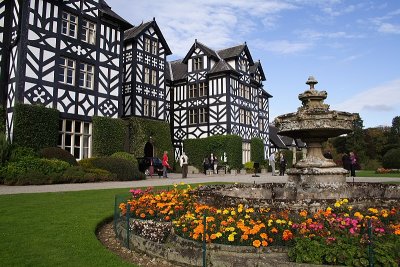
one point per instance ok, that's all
(262, 227)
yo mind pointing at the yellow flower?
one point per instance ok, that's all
(231, 237)
(337, 205)
(233, 213)
(219, 211)
(225, 211)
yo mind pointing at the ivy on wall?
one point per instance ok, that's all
(257, 150)
(139, 132)
(108, 136)
(198, 149)
(35, 126)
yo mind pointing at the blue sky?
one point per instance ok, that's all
(351, 47)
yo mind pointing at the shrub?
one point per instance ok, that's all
(86, 163)
(19, 153)
(58, 153)
(4, 149)
(257, 150)
(33, 171)
(108, 136)
(391, 160)
(78, 174)
(249, 166)
(125, 155)
(35, 126)
(124, 169)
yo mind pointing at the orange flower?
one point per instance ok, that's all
(264, 243)
(274, 230)
(213, 236)
(303, 213)
(167, 218)
(263, 235)
(287, 235)
(245, 237)
(256, 243)
(142, 215)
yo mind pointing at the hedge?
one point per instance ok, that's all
(108, 136)
(391, 160)
(35, 126)
(198, 149)
(257, 150)
(140, 131)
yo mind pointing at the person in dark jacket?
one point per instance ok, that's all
(346, 162)
(282, 165)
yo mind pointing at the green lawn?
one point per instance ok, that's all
(364, 173)
(56, 229)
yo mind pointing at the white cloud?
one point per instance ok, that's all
(383, 98)
(383, 24)
(282, 46)
(389, 28)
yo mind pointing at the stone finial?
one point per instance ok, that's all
(311, 82)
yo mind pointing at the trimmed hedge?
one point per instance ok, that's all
(257, 150)
(108, 136)
(58, 153)
(198, 149)
(125, 155)
(35, 126)
(4, 149)
(391, 160)
(140, 132)
(124, 169)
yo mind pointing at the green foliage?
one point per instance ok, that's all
(78, 174)
(249, 166)
(4, 149)
(124, 169)
(58, 153)
(33, 171)
(19, 153)
(35, 126)
(2, 119)
(391, 160)
(257, 150)
(126, 156)
(288, 154)
(371, 164)
(347, 251)
(198, 149)
(140, 131)
(108, 136)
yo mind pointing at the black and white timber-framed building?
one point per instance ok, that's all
(80, 57)
(218, 92)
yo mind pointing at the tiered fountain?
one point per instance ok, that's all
(315, 176)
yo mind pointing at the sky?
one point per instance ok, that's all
(352, 48)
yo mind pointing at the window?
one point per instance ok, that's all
(75, 137)
(154, 77)
(203, 115)
(146, 75)
(192, 90)
(241, 90)
(248, 117)
(192, 116)
(147, 45)
(69, 24)
(86, 76)
(67, 71)
(202, 89)
(246, 148)
(154, 48)
(247, 92)
(260, 103)
(146, 106)
(243, 65)
(88, 32)
(242, 118)
(260, 125)
(153, 108)
(197, 63)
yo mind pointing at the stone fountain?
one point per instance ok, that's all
(315, 177)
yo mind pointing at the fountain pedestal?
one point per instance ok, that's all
(315, 177)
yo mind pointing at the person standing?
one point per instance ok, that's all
(282, 165)
(184, 162)
(346, 162)
(353, 164)
(206, 164)
(271, 160)
(213, 162)
(165, 164)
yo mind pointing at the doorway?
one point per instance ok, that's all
(148, 150)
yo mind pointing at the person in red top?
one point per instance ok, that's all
(165, 164)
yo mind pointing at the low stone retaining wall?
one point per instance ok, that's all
(185, 252)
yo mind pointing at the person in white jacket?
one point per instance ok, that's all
(184, 162)
(271, 160)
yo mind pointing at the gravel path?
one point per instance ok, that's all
(171, 180)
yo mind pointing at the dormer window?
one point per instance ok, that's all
(197, 63)
(243, 65)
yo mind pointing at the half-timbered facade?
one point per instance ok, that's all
(65, 55)
(218, 92)
(145, 58)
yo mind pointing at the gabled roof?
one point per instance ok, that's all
(274, 138)
(257, 65)
(265, 93)
(106, 10)
(234, 52)
(134, 32)
(178, 69)
(208, 51)
(222, 66)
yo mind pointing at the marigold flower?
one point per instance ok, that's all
(303, 213)
(287, 235)
(257, 243)
(264, 243)
(244, 237)
(263, 235)
(274, 230)
(142, 215)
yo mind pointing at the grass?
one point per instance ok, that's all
(365, 173)
(56, 229)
